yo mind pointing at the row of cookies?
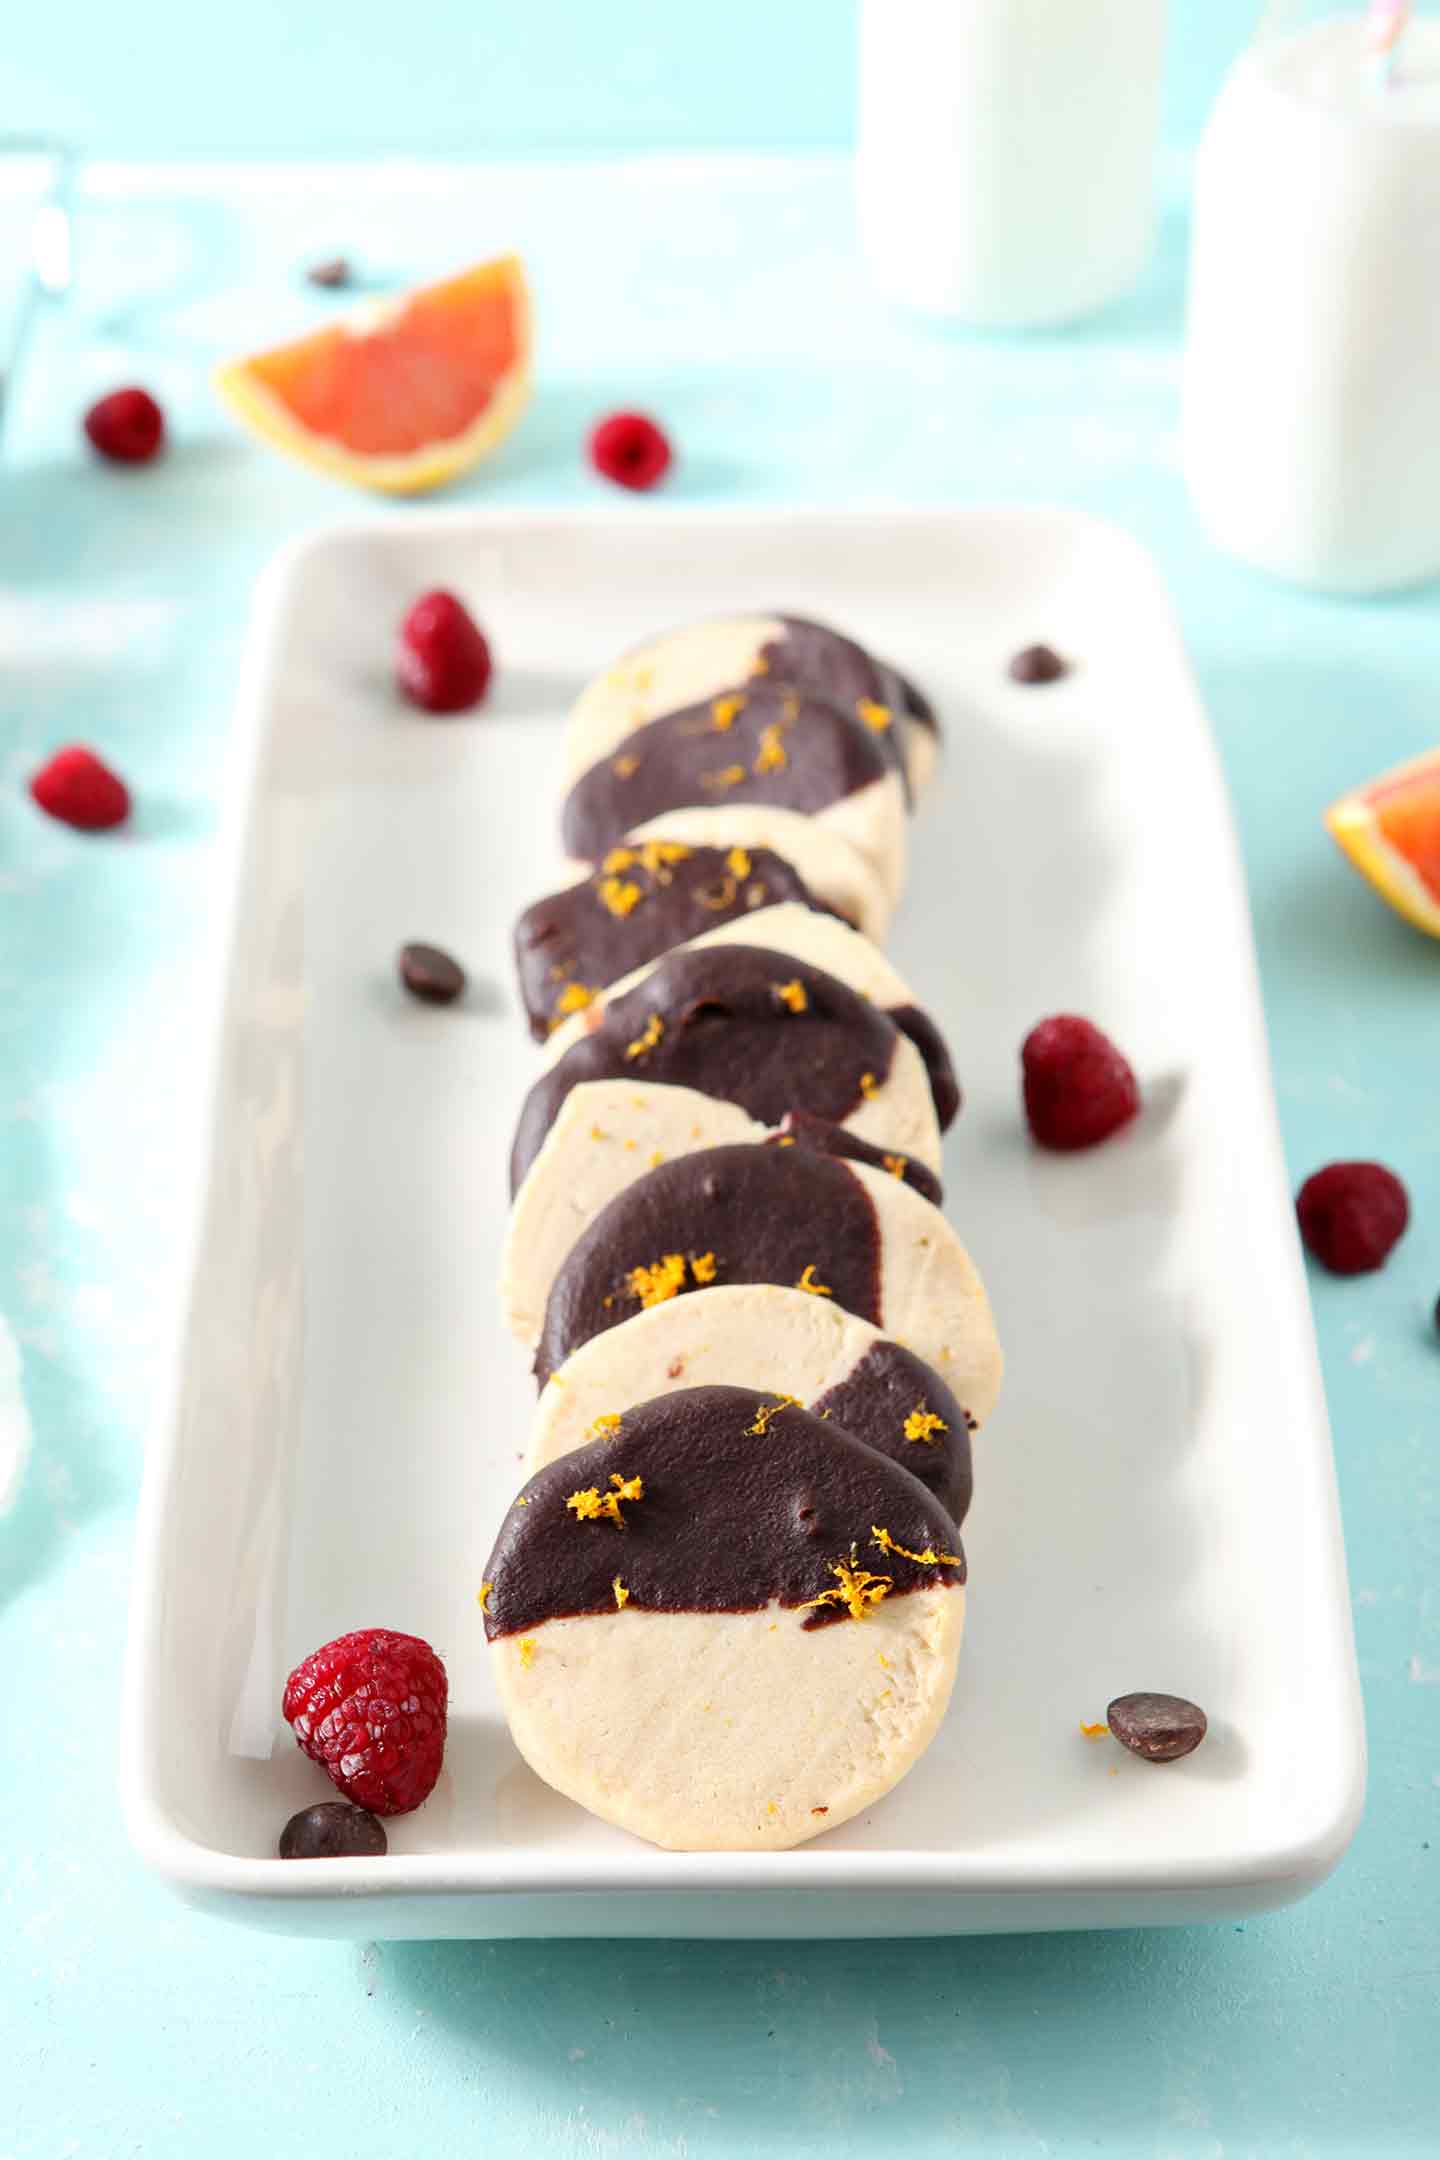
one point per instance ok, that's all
(761, 1347)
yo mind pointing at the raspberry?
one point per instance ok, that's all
(1078, 1087)
(76, 788)
(127, 427)
(370, 1709)
(444, 662)
(1351, 1214)
(630, 449)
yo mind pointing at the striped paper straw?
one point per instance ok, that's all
(1385, 27)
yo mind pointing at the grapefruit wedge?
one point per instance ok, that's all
(1390, 829)
(402, 395)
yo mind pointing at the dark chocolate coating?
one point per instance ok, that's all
(730, 1519)
(817, 1133)
(933, 1048)
(812, 656)
(874, 1400)
(683, 759)
(917, 705)
(765, 1214)
(573, 937)
(725, 1031)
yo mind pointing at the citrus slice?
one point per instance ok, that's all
(1390, 829)
(403, 395)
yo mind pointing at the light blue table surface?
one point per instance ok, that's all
(723, 295)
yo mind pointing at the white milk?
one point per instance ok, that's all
(1312, 375)
(1004, 167)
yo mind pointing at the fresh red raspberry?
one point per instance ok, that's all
(443, 662)
(76, 788)
(370, 1709)
(630, 449)
(127, 427)
(1351, 1214)
(1078, 1087)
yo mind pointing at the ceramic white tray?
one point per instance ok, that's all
(1155, 1503)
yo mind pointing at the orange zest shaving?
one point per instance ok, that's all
(1093, 1732)
(702, 1267)
(527, 1652)
(856, 1588)
(622, 1595)
(767, 1411)
(485, 1589)
(792, 994)
(591, 1505)
(621, 895)
(816, 1289)
(869, 1086)
(897, 1165)
(771, 755)
(759, 665)
(928, 1558)
(737, 862)
(923, 1424)
(718, 896)
(664, 1278)
(876, 717)
(608, 1422)
(625, 768)
(574, 998)
(653, 1030)
(723, 711)
(726, 777)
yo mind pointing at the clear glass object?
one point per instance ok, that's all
(1311, 423)
(35, 249)
(1005, 157)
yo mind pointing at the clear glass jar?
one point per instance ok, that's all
(1005, 158)
(1311, 423)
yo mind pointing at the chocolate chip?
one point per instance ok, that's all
(1162, 1728)
(430, 974)
(1037, 664)
(333, 1830)
(334, 271)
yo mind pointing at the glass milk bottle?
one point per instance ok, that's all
(1004, 163)
(1312, 370)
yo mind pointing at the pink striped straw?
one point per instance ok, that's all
(1385, 27)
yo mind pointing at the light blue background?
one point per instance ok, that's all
(131, 2027)
(443, 77)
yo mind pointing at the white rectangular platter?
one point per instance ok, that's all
(1155, 1502)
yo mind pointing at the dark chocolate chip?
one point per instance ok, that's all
(430, 974)
(1162, 1728)
(1037, 664)
(334, 271)
(333, 1830)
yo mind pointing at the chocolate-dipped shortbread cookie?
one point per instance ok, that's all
(824, 943)
(791, 748)
(610, 1132)
(685, 666)
(756, 1335)
(655, 1595)
(784, 1215)
(644, 898)
(727, 1021)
